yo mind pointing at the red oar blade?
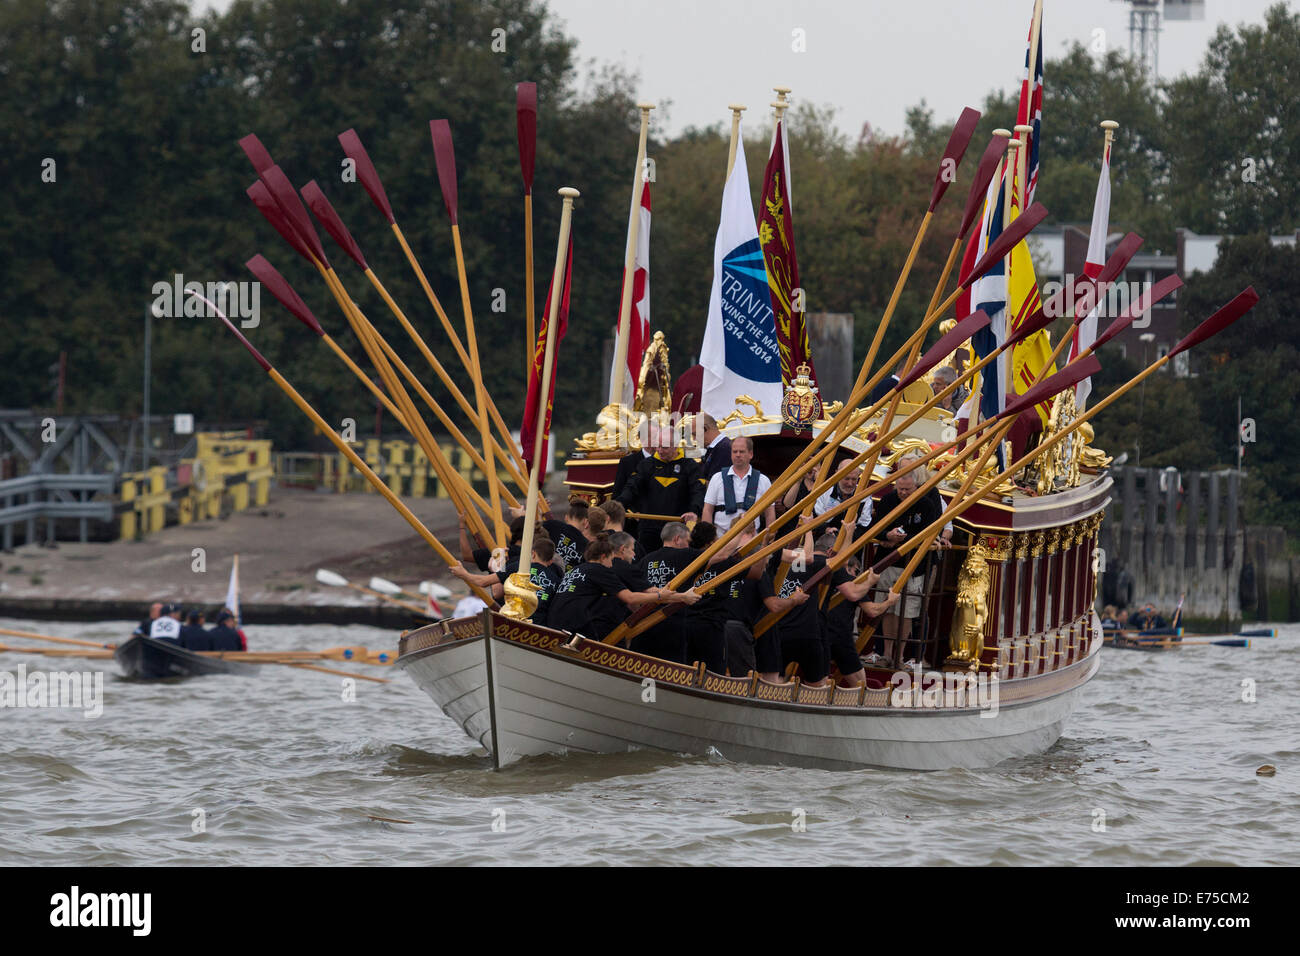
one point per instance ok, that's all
(1068, 377)
(287, 197)
(996, 148)
(318, 204)
(366, 174)
(257, 153)
(1055, 305)
(271, 211)
(526, 125)
(444, 157)
(1153, 295)
(280, 288)
(948, 343)
(962, 132)
(1038, 320)
(1243, 303)
(1004, 243)
(1126, 250)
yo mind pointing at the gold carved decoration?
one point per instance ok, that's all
(653, 385)
(1053, 540)
(521, 597)
(1021, 545)
(1091, 458)
(619, 429)
(736, 416)
(1036, 541)
(995, 547)
(900, 448)
(966, 638)
(1058, 467)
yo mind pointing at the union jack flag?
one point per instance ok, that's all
(1030, 112)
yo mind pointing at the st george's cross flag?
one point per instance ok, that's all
(1085, 333)
(638, 327)
(740, 354)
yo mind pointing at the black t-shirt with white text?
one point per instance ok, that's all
(578, 606)
(570, 543)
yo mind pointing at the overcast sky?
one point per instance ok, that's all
(869, 59)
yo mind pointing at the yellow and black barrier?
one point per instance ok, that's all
(228, 472)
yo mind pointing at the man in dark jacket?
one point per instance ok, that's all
(193, 636)
(717, 448)
(666, 483)
(225, 637)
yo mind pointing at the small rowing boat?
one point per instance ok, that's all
(144, 658)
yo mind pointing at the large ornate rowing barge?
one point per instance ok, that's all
(520, 690)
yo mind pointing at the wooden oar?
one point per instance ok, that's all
(334, 580)
(58, 640)
(276, 199)
(444, 159)
(642, 516)
(333, 224)
(375, 481)
(1216, 323)
(297, 223)
(100, 654)
(374, 187)
(280, 288)
(331, 670)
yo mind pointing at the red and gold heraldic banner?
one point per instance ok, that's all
(776, 235)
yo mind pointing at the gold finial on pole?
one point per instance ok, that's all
(618, 378)
(736, 110)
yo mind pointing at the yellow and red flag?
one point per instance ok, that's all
(528, 431)
(1028, 358)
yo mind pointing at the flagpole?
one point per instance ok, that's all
(1022, 161)
(1035, 30)
(616, 380)
(526, 124)
(1109, 126)
(517, 605)
(736, 110)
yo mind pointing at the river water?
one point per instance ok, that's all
(1156, 767)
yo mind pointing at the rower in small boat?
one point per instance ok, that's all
(145, 627)
(225, 636)
(193, 637)
(167, 626)
(1147, 618)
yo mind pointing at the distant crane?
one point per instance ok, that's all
(1144, 28)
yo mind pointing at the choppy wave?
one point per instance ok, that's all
(1157, 766)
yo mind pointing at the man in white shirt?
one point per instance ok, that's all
(167, 626)
(732, 492)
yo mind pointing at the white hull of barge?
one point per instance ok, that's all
(518, 700)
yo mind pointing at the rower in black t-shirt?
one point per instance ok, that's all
(838, 617)
(570, 534)
(667, 639)
(577, 605)
(541, 572)
(800, 629)
(919, 513)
